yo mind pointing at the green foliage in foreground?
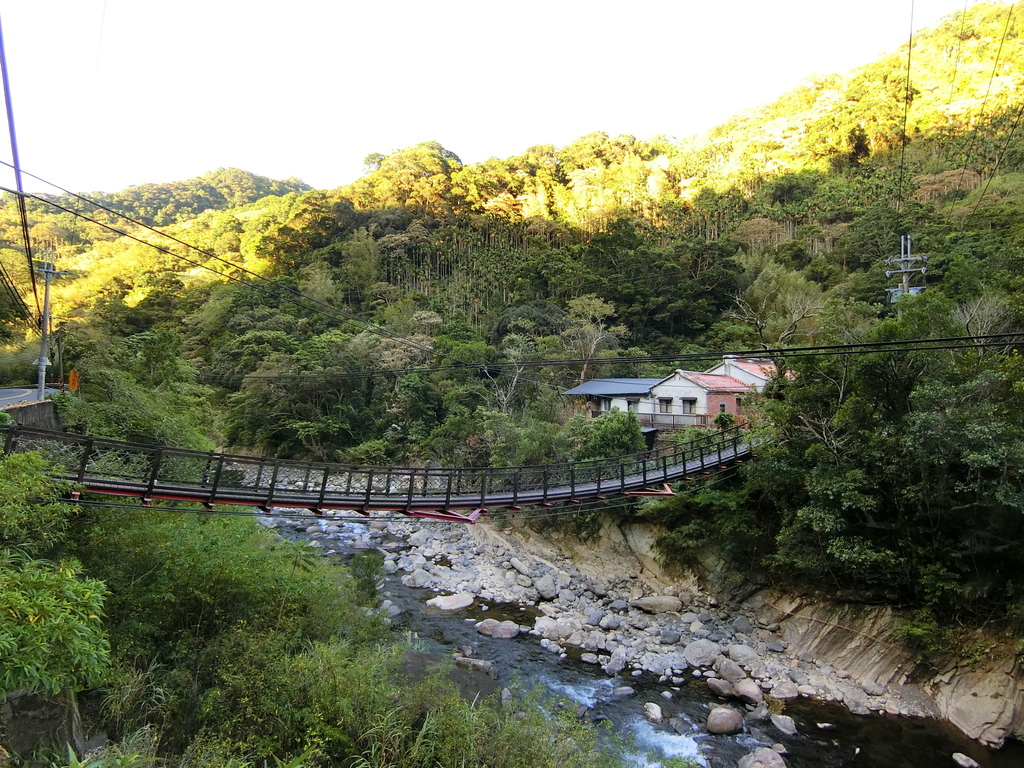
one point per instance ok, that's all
(51, 638)
(239, 647)
(219, 644)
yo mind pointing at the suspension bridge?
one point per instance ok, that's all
(460, 494)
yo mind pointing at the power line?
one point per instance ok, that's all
(331, 312)
(23, 213)
(988, 91)
(276, 289)
(999, 160)
(906, 112)
(901, 345)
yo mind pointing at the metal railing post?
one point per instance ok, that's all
(154, 472)
(86, 455)
(212, 498)
(273, 482)
(323, 486)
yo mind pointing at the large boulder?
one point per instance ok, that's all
(701, 653)
(653, 712)
(784, 723)
(658, 604)
(486, 627)
(743, 654)
(505, 630)
(785, 690)
(454, 602)
(762, 758)
(749, 692)
(729, 669)
(724, 720)
(418, 579)
(722, 687)
(546, 586)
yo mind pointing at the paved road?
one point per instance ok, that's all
(14, 395)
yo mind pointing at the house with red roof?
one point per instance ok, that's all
(683, 398)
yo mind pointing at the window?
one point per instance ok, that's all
(739, 404)
(664, 405)
(689, 404)
(721, 407)
(632, 405)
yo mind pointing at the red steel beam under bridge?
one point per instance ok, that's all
(461, 494)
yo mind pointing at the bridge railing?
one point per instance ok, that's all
(135, 469)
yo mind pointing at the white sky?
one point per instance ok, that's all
(110, 93)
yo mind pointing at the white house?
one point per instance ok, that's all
(683, 398)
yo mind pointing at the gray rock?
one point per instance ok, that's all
(784, 723)
(653, 712)
(505, 630)
(595, 616)
(742, 624)
(729, 669)
(872, 688)
(658, 604)
(724, 720)
(722, 688)
(618, 605)
(762, 758)
(478, 665)
(617, 663)
(546, 586)
(964, 761)
(419, 538)
(519, 565)
(679, 725)
(776, 646)
(566, 596)
(454, 602)
(486, 627)
(748, 691)
(622, 692)
(743, 654)
(669, 636)
(610, 621)
(418, 578)
(701, 653)
(785, 690)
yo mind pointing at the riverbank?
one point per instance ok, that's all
(604, 604)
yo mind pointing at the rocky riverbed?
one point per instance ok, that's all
(621, 622)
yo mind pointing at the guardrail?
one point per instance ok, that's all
(148, 472)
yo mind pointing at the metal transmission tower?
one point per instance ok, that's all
(907, 264)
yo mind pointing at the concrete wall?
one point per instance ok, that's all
(41, 414)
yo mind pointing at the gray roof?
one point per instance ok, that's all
(611, 387)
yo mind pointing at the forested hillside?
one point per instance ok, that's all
(392, 320)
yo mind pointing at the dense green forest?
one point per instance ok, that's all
(434, 312)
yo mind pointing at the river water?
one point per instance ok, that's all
(829, 736)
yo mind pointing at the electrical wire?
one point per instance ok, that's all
(331, 312)
(276, 289)
(999, 160)
(906, 112)
(23, 213)
(902, 345)
(988, 91)
(959, 46)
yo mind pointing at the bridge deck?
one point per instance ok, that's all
(157, 472)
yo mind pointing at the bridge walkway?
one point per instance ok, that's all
(148, 472)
